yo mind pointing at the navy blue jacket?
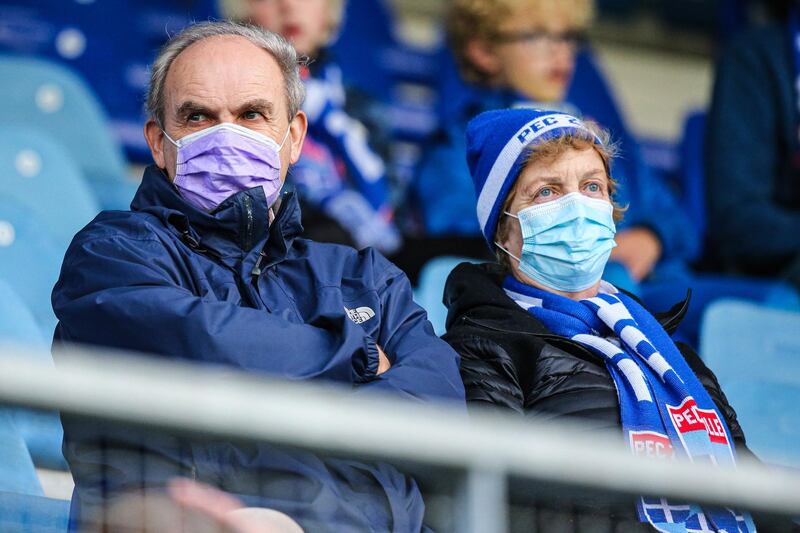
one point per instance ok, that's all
(753, 159)
(228, 289)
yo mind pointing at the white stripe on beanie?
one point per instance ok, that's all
(511, 151)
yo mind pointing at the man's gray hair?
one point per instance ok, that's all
(283, 52)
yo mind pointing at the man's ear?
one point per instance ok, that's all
(297, 134)
(482, 56)
(155, 140)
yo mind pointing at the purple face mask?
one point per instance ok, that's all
(218, 162)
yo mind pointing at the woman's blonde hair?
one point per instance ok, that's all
(469, 20)
(547, 152)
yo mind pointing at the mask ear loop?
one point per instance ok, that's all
(170, 139)
(506, 251)
(280, 146)
(501, 246)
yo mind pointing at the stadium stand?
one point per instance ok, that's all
(109, 44)
(23, 513)
(40, 431)
(755, 353)
(43, 178)
(29, 262)
(17, 324)
(19, 474)
(44, 95)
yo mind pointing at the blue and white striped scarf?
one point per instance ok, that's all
(664, 408)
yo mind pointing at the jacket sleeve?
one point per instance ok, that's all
(710, 383)
(743, 160)
(488, 372)
(122, 292)
(423, 366)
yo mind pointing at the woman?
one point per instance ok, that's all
(540, 333)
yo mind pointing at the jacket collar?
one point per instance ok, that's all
(471, 287)
(239, 226)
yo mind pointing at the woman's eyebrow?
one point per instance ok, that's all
(542, 180)
(593, 173)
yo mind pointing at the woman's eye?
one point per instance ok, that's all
(545, 192)
(593, 187)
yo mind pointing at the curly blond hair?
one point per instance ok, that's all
(469, 20)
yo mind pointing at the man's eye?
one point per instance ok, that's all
(252, 115)
(546, 192)
(196, 117)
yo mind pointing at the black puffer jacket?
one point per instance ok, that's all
(510, 360)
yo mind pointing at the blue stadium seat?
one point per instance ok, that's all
(17, 473)
(39, 175)
(29, 261)
(430, 289)
(22, 513)
(110, 44)
(41, 431)
(43, 95)
(755, 353)
(17, 324)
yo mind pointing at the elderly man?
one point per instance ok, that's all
(209, 266)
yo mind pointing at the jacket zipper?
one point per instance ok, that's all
(194, 244)
(248, 233)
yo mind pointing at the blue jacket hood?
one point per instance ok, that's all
(240, 225)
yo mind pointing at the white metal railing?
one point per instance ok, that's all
(487, 446)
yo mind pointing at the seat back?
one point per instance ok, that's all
(49, 97)
(755, 353)
(40, 176)
(17, 324)
(21, 513)
(430, 289)
(41, 431)
(17, 473)
(29, 261)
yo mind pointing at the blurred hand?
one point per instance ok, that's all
(383, 362)
(639, 250)
(228, 511)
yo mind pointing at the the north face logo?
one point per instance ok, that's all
(359, 315)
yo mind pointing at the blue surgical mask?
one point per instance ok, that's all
(566, 243)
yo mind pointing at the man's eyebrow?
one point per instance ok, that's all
(259, 104)
(189, 107)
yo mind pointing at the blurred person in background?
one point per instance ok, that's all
(753, 151)
(208, 266)
(541, 334)
(522, 54)
(340, 176)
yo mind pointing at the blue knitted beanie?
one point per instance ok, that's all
(496, 142)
